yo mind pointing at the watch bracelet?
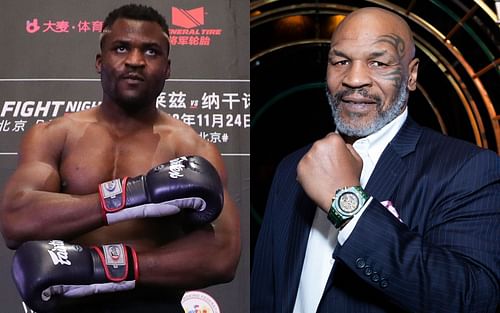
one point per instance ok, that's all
(335, 217)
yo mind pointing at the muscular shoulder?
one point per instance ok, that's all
(184, 138)
(66, 122)
(49, 138)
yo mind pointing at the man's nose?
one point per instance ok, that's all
(135, 58)
(357, 76)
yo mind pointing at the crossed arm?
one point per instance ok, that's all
(34, 208)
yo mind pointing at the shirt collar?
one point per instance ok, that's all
(374, 144)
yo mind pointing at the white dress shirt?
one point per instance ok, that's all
(323, 237)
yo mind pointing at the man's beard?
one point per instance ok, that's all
(132, 104)
(352, 127)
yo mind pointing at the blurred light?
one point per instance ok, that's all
(488, 11)
(497, 5)
(296, 21)
(255, 13)
(334, 22)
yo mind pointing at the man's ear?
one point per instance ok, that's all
(167, 70)
(412, 77)
(98, 63)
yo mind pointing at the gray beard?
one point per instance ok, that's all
(354, 129)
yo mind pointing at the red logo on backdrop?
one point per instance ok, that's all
(191, 30)
(188, 18)
(62, 26)
(188, 27)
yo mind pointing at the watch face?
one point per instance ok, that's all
(348, 202)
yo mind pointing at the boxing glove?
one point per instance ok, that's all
(52, 275)
(188, 183)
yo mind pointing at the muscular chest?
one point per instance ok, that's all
(95, 156)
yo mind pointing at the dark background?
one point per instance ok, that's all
(458, 43)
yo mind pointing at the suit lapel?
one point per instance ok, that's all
(391, 168)
(388, 172)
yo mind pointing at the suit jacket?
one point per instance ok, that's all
(443, 257)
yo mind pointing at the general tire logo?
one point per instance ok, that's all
(189, 28)
(188, 18)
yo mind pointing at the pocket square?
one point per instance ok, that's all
(392, 209)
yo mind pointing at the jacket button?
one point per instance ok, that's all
(360, 263)
(384, 283)
(368, 271)
(375, 277)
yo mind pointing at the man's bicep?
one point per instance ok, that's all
(228, 222)
(229, 219)
(227, 225)
(37, 168)
(34, 176)
(210, 152)
(38, 160)
(21, 196)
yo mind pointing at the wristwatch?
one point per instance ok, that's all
(346, 203)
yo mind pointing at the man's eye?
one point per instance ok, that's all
(339, 62)
(378, 64)
(121, 49)
(151, 52)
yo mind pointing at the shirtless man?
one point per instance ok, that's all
(53, 193)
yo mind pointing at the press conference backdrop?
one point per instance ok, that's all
(47, 70)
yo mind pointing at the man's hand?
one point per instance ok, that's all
(51, 275)
(189, 183)
(330, 164)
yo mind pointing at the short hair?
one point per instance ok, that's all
(136, 12)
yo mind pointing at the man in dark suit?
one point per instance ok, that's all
(414, 221)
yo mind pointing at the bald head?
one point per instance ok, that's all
(369, 23)
(371, 70)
